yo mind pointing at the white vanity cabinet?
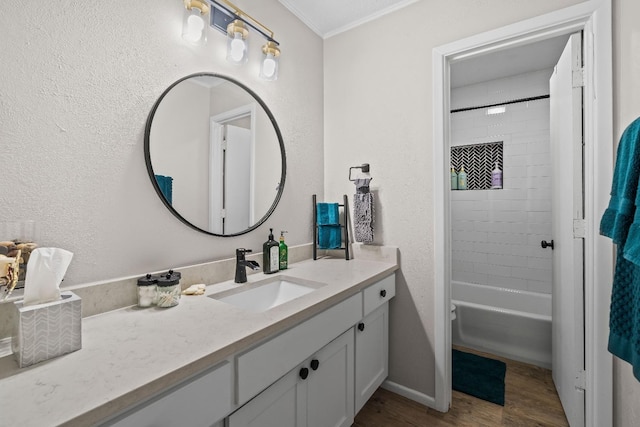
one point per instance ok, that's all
(332, 385)
(372, 340)
(317, 393)
(261, 366)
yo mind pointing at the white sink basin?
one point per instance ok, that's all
(268, 293)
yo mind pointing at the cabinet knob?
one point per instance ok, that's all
(383, 293)
(304, 373)
(361, 326)
(314, 364)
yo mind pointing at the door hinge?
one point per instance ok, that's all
(224, 144)
(223, 213)
(581, 380)
(578, 78)
(579, 228)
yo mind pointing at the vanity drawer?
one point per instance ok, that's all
(201, 400)
(379, 293)
(260, 367)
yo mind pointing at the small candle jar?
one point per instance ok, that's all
(169, 290)
(147, 290)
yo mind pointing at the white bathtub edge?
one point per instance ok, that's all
(533, 316)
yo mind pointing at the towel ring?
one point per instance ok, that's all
(364, 167)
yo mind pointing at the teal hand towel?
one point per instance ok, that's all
(166, 187)
(618, 217)
(621, 222)
(329, 236)
(327, 214)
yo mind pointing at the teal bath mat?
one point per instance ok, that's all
(478, 376)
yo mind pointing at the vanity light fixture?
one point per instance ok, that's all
(193, 22)
(235, 23)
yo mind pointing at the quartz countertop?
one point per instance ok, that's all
(132, 353)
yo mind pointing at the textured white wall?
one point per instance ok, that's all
(78, 82)
(626, 97)
(496, 234)
(378, 101)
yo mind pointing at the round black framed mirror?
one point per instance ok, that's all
(215, 154)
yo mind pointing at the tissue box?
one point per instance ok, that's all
(45, 331)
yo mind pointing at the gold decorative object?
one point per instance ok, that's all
(9, 269)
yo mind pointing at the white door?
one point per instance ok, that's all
(568, 213)
(237, 179)
(230, 179)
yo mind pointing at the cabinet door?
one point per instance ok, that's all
(277, 406)
(372, 350)
(329, 387)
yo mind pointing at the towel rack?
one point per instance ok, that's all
(344, 227)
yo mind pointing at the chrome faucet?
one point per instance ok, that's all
(242, 263)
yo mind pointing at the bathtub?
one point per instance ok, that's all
(505, 322)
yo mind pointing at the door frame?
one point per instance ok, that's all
(594, 18)
(215, 160)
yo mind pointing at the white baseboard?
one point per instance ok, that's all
(414, 395)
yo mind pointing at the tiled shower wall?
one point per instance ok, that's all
(496, 234)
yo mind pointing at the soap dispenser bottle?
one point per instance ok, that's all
(462, 179)
(270, 255)
(454, 179)
(284, 252)
(496, 177)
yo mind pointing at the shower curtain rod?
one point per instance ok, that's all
(515, 101)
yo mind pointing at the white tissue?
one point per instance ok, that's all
(45, 271)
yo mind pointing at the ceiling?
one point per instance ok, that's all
(330, 17)
(509, 62)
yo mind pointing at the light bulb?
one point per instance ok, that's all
(269, 66)
(237, 47)
(195, 25)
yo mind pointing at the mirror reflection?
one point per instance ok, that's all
(215, 155)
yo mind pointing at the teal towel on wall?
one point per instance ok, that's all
(621, 222)
(166, 187)
(329, 236)
(327, 214)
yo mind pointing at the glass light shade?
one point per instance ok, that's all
(194, 26)
(270, 61)
(237, 43)
(269, 67)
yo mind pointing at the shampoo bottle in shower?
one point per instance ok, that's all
(496, 177)
(454, 179)
(462, 179)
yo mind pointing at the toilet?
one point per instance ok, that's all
(453, 312)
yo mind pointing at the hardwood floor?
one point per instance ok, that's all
(530, 400)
